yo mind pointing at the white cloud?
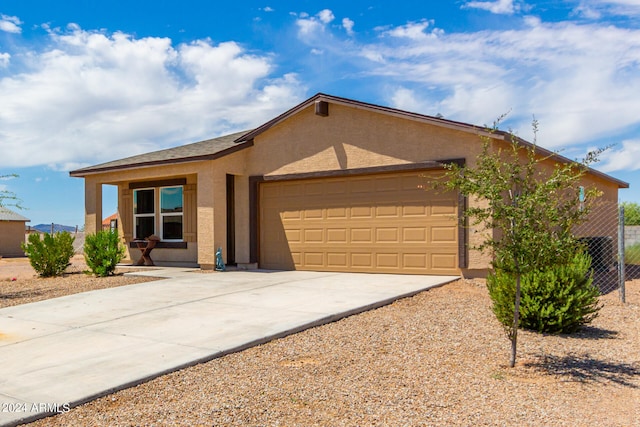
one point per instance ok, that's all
(412, 31)
(10, 24)
(310, 26)
(604, 9)
(325, 16)
(93, 97)
(409, 100)
(348, 24)
(4, 59)
(501, 7)
(622, 158)
(581, 81)
(268, 9)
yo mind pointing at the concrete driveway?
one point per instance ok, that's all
(63, 352)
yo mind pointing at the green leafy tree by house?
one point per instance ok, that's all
(530, 208)
(631, 213)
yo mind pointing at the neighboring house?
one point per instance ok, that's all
(12, 233)
(110, 222)
(331, 185)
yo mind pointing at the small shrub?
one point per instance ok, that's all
(102, 252)
(50, 255)
(558, 299)
(632, 254)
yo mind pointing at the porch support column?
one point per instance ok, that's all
(219, 191)
(205, 197)
(92, 205)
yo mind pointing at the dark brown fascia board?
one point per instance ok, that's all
(465, 127)
(91, 171)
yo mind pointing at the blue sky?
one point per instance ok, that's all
(83, 82)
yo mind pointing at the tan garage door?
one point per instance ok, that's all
(373, 223)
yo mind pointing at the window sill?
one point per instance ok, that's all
(163, 245)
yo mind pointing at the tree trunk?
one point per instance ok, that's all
(516, 321)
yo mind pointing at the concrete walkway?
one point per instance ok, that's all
(63, 352)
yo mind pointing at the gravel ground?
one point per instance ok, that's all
(438, 358)
(19, 283)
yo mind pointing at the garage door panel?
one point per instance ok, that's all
(337, 260)
(387, 260)
(442, 208)
(311, 214)
(288, 215)
(314, 259)
(314, 188)
(382, 223)
(414, 211)
(314, 235)
(387, 235)
(391, 183)
(440, 234)
(362, 260)
(335, 187)
(387, 211)
(339, 213)
(443, 261)
(293, 236)
(414, 234)
(415, 261)
(291, 189)
(336, 235)
(361, 235)
(361, 212)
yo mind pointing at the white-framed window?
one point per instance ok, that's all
(144, 214)
(171, 213)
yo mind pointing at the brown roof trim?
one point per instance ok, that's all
(562, 159)
(465, 127)
(213, 156)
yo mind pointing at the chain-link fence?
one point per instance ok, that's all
(606, 240)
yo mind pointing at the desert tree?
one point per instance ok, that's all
(531, 201)
(9, 198)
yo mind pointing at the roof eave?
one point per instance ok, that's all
(464, 127)
(80, 173)
(559, 157)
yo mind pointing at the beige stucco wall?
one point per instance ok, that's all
(352, 138)
(11, 236)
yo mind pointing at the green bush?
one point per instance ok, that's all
(102, 252)
(632, 254)
(50, 255)
(558, 299)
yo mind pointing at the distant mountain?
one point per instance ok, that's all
(46, 228)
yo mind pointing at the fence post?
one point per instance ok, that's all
(621, 258)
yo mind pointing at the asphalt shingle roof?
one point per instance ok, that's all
(9, 215)
(203, 150)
